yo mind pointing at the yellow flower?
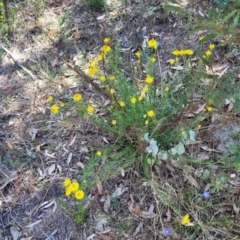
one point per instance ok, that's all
(149, 80)
(183, 132)
(201, 38)
(199, 126)
(114, 122)
(145, 89)
(1, 17)
(77, 97)
(209, 109)
(94, 62)
(99, 153)
(50, 99)
(185, 219)
(152, 44)
(105, 49)
(74, 186)
(140, 98)
(102, 78)
(166, 89)
(112, 91)
(210, 101)
(151, 113)
(138, 54)
(62, 104)
(106, 40)
(146, 122)
(67, 182)
(1, 4)
(101, 56)
(90, 109)
(111, 77)
(122, 103)
(208, 53)
(171, 61)
(92, 69)
(211, 46)
(153, 59)
(176, 52)
(54, 109)
(79, 194)
(133, 100)
(188, 52)
(68, 191)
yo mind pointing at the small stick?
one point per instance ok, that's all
(18, 63)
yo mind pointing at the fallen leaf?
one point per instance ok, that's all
(38, 148)
(69, 159)
(206, 148)
(135, 209)
(81, 165)
(51, 169)
(15, 232)
(107, 204)
(137, 229)
(32, 132)
(72, 142)
(200, 108)
(236, 209)
(54, 62)
(192, 181)
(169, 216)
(10, 145)
(119, 191)
(99, 187)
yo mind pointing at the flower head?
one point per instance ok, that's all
(166, 89)
(208, 53)
(140, 98)
(133, 100)
(146, 122)
(151, 113)
(211, 46)
(183, 132)
(149, 80)
(50, 98)
(111, 77)
(153, 59)
(67, 182)
(152, 43)
(62, 104)
(74, 186)
(171, 61)
(101, 56)
(114, 122)
(112, 91)
(106, 40)
(79, 194)
(122, 103)
(138, 54)
(1, 4)
(201, 38)
(92, 69)
(209, 109)
(102, 78)
(166, 232)
(105, 48)
(90, 109)
(54, 109)
(68, 191)
(188, 52)
(206, 194)
(77, 97)
(185, 219)
(99, 153)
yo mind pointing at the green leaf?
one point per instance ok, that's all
(206, 174)
(150, 161)
(146, 168)
(175, 9)
(230, 15)
(192, 135)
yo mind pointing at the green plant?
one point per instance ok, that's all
(96, 5)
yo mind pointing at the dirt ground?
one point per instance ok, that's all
(35, 146)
